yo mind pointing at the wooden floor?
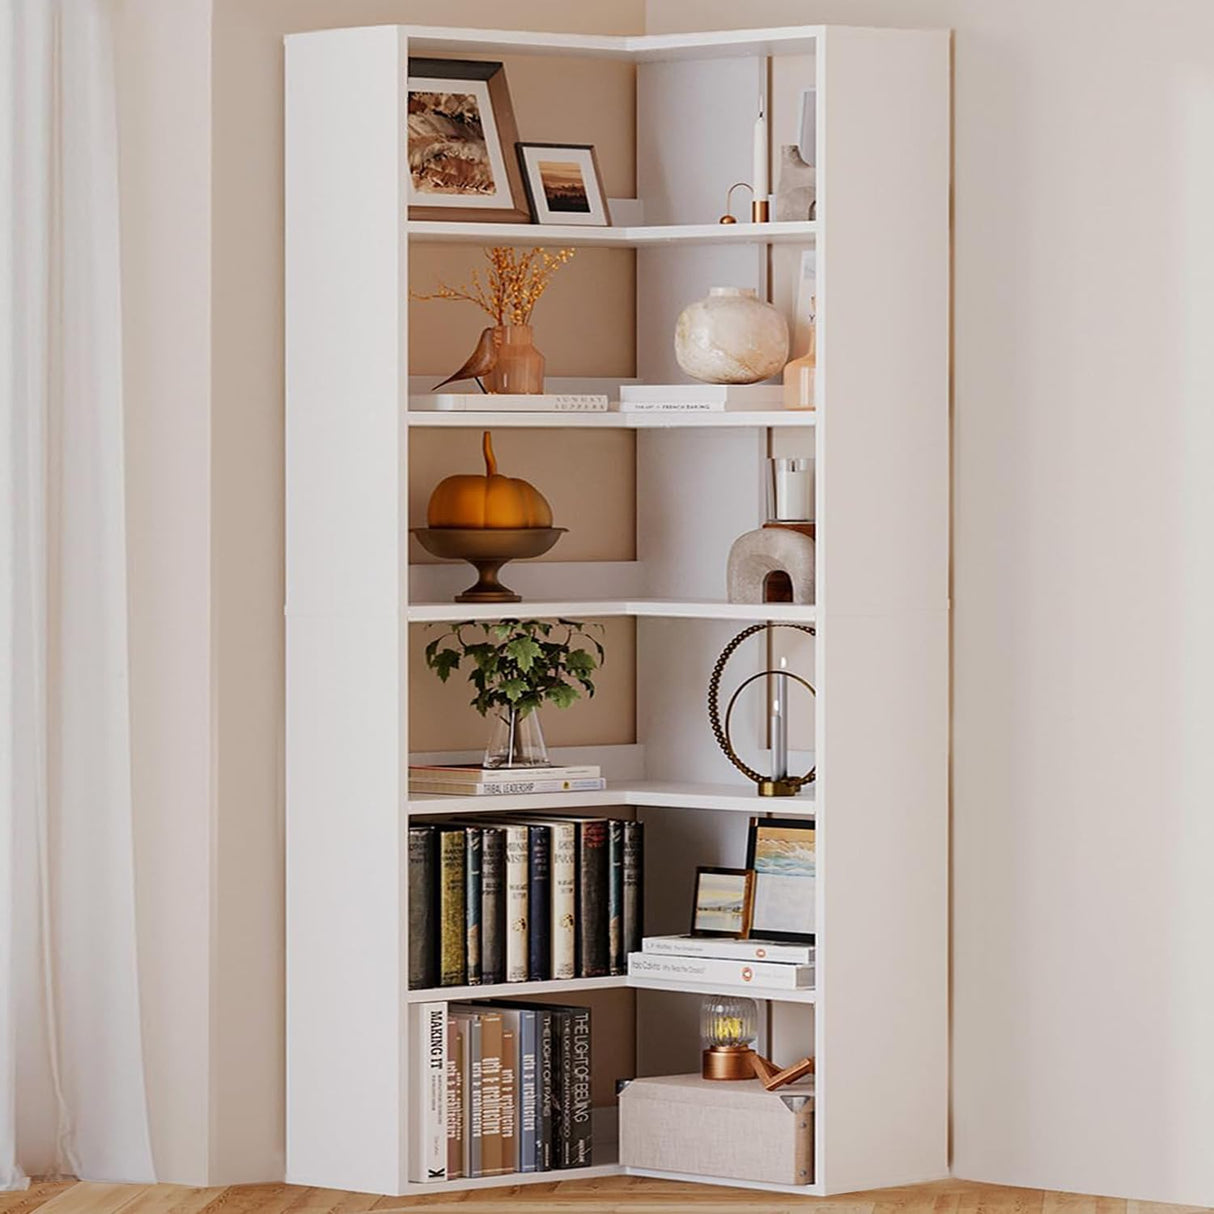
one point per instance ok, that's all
(625, 1194)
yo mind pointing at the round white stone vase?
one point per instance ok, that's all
(731, 337)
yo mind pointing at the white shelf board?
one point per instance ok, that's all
(509, 1179)
(438, 231)
(540, 609)
(612, 419)
(642, 48)
(515, 990)
(806, 995)
(655, 794)
(801, 1190)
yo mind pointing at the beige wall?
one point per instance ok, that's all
(1083, 770)
(164, 74)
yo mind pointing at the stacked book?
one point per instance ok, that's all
(505, 781)
(510, 402)
(523, 900)
(724, 963)
(699, 398)
(502, 1087)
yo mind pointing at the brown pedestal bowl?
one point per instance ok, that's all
(488, 549)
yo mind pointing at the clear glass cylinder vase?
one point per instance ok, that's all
(515, 740)
(520, 366)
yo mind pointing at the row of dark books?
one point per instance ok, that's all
(502, 1087)
(523, 900)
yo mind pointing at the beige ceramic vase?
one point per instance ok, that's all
(731, 337)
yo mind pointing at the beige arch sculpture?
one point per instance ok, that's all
(758, 554)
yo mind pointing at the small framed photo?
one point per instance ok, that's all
(460, 132)
(782, 853)
(563, 184)
(722, 902)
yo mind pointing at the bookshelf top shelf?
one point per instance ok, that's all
(534, 234)
(638, 48)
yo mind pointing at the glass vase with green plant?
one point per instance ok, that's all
(515, 668)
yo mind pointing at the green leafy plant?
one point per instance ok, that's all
(520, 664)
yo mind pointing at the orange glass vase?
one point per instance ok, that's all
(800, 376)
(520, 366)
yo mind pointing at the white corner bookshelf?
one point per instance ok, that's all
(877, 1021)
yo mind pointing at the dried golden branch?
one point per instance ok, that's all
(513, 283)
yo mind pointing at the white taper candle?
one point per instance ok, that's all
(761, 183)
(779, 726)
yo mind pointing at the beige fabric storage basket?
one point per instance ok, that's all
(734, 1130)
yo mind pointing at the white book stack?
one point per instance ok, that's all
(504, 781)
(722, 972)
(699, 398)
(728, 950)
(509, 402)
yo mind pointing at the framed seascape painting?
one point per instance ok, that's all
(782, 854)
(722, 902)
(461, 131)
(563, 184)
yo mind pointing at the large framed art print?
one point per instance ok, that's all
(461, 132)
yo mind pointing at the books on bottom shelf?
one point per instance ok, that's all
(699, 398)
(515, 1092)
(523, 899)
(729, 950)
(504, 782)
(775, 975)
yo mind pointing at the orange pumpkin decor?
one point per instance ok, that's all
(491, 500)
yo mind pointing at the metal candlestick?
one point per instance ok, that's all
(778, 784)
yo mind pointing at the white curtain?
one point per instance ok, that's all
(72, 1096)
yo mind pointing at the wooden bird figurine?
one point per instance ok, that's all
(482, 360)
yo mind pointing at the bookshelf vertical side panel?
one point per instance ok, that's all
(883, 545)
(345, 340)
(883, 324)
(882, 962)
(345, 695)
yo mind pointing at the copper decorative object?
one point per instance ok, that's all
(729, 216)
(772, 1077)
(728, 1027)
